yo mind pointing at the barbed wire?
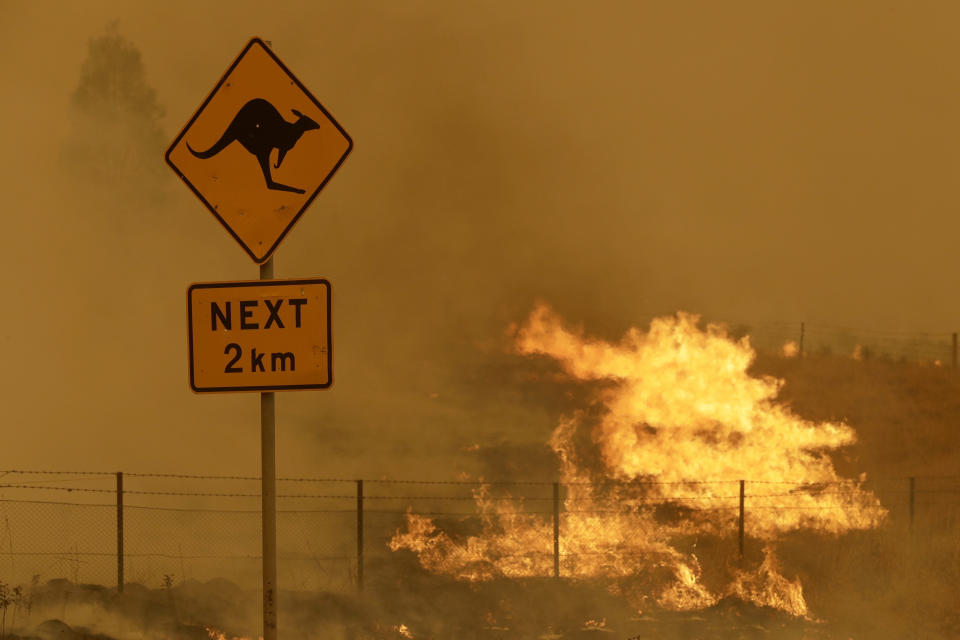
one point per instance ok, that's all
(48, 488)
(173, 493)
(626, 500)
(879, 332)
(630, 508)
(794, 326)
(67, 555)
(112, 505)
(615, 482)
(153, 534)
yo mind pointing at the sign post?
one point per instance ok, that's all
(256, 153)
(268, 497)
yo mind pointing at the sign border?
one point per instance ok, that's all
(203, 105)
(252, 283)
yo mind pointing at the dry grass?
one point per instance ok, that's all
(895, 582)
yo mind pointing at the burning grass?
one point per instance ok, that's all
(828, 555)
(681, 418)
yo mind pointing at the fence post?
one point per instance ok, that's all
(954, 352)
(556, 529)
(911, 502)
(360, 535)
(119, 531)
(740, 534)
(802, 327)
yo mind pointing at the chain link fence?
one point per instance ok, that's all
(336, 536)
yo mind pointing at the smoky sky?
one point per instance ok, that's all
(748, 161)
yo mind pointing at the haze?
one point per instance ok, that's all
(748, 161)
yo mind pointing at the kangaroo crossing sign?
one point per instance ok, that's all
(261, 335)
(259, 150)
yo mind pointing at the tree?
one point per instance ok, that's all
(116, 137)
(8, 597)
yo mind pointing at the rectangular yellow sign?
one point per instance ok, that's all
(259, 335)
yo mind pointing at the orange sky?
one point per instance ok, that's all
(748, 161)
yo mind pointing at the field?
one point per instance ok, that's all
(899, 581)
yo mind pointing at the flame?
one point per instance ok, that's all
(857, 353)
(403, 630)
(681, 422)
(216, 634)
(595, 624)
(790, 349)
(766, 587)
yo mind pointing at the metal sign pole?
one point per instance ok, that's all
(251, 103)
(268, 493)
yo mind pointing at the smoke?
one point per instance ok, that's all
(590, 159)
(745, 162)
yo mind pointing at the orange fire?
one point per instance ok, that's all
(682, 423)
(790, 349)
(216, 634)
(403, 630)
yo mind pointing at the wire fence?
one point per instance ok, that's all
(161, 528)
(798, 339)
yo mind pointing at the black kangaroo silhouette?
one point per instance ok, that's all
(260, 128)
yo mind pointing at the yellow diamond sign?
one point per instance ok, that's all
(259, 150)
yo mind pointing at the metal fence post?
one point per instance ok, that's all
(740, 535)
(120, 532)
(556, 529)
(360, 535)
(911, 501)
(802, 327)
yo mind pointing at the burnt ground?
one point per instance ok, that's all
(538, 609)
(439, 609)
